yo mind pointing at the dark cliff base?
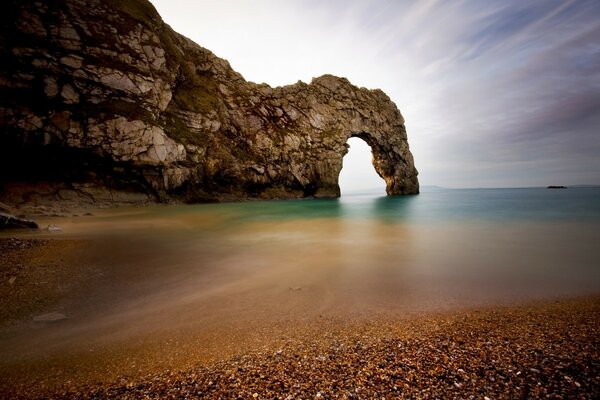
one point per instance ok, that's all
(102, 100)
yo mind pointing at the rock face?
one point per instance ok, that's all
(102, 100)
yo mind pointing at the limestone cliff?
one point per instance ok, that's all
(101, 100)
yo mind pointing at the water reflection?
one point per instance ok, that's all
(387, 208)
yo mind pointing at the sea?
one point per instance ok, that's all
(442, 248)
(165, 282)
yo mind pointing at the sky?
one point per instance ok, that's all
(494, 93)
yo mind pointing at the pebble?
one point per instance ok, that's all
(429, 364)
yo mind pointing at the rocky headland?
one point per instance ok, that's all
(101, 102)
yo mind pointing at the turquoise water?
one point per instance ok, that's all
(433, 205)
(443, 245)
(501, 242)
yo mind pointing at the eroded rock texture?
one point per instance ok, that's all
(100, 100)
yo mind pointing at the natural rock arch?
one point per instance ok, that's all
(156, 113)
(392, 164)
(379, 160)
(335, 112)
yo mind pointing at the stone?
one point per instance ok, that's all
(8, 221)
(72, 61)
(68, 32)
(150, 111)
(50, 86)
(69, 94)
(117, 80)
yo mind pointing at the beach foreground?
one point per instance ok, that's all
(544, 350)
(541, 349)
(365, 297)
(537, 351)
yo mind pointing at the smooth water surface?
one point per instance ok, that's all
(209, 277)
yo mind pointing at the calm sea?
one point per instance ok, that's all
(160, 283)
(442, 248)
(438, 206)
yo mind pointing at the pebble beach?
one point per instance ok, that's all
(185, 306)
(539, 350)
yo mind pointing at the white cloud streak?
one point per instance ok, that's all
(494, 93)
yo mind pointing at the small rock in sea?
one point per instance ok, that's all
(53, 228)
(50, 317)
(12, 280)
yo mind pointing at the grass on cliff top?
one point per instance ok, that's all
(141, 10)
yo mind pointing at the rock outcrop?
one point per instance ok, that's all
(8, 221)
(101, 100)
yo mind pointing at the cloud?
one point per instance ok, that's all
(493, 93)
(525, 91)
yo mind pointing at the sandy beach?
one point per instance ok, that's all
(522, 349)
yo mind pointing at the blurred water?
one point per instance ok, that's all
(434, 205)
(224, 275)
(446, 245)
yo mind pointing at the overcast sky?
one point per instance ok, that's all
(494, 93)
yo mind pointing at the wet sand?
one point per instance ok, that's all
(201, 293)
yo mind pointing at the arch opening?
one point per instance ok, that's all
(358, 174)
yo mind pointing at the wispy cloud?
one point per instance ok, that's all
(494, 93)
